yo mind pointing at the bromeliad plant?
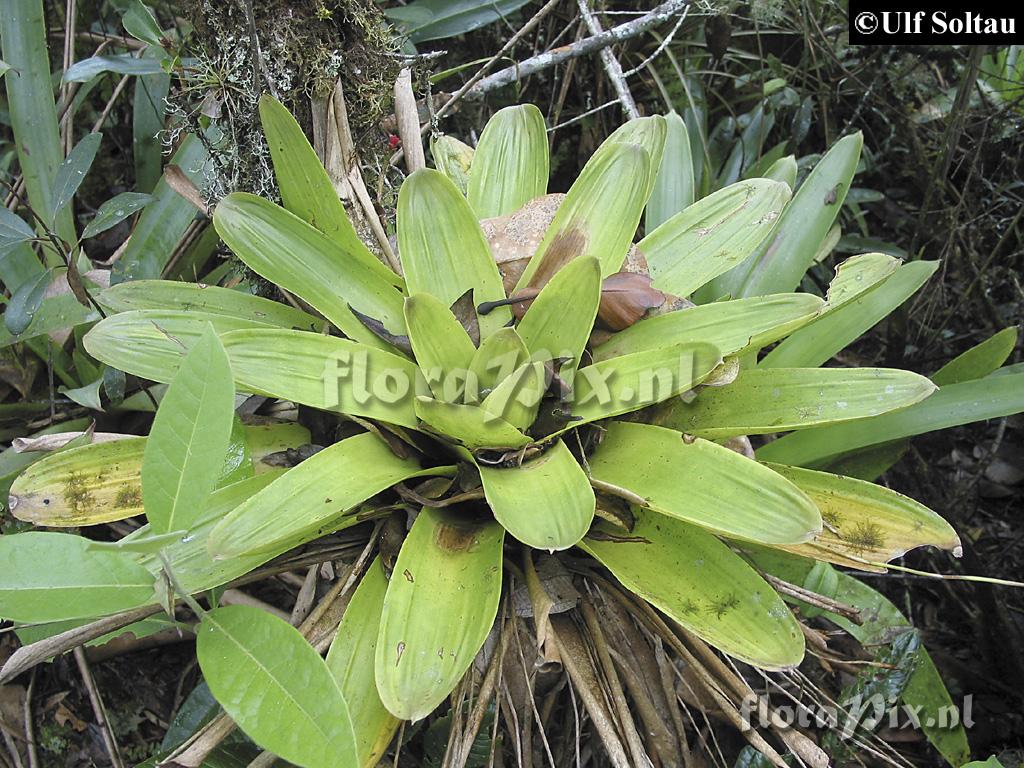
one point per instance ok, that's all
(529, 380)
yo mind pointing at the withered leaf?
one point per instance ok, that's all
(627, 297)
(400, 342)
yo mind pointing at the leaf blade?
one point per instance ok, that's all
(442, 248)
(88, 583)
(306, 189)
(724, 491)
(438, 610)
(313, 497)
(289, 252)
(189, 438)
(763, 401)
(554, 482)
(510, 165)
(713, 235)
(354, 643)
(712, 593)
(275, 686)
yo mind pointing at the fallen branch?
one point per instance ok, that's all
(612, 67)
(591, 44)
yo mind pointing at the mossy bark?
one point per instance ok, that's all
(295, 50)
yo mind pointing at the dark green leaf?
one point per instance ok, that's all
(116, 210)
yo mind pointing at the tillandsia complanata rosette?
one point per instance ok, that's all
(531, 380)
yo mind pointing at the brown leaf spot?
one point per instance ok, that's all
(77, 494)
(566, 246)
(400, 649)
(408, 576)
(725, 604)
(455, 538)
(864, 536)
(128, 496)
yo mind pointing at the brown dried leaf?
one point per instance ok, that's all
(465, 312)
(626, 297)
(184, 186)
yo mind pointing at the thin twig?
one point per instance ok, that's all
(98, 709)
(468, 86)
(30, 728)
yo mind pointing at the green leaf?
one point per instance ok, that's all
(546, 502)
(499, 356)
(290, 253)
(149, 111)
(55, 576)
(13, 230)
(439, 608)
(275, 686)
(150, 343)
(559, 321)
(189, 438)
(54, 314)
(731, 326)
(71, 172)
(859, 274)
(324, 372)
(784, 169)
(443, 350)
(189, 558)
(122, 64)
(510, 165)
(516, 399)
(674, 187)
(453, 158)
(30, 108)
(978, 361)
(867, 523)
(116, 210)
(762, 401)
(781, 260)
(470, 425)
(443, 251)
(631, 382)
(165, 220)
(314, 498)
(196, 297)
(649, 133)
(839, 326)
(354, 644)
(87, 396)
(426, 20)
(599, 215)
(711, 591)
(955, 404)
(705, 484)
(713, 235)
(140, 23)
(25, 302)
(306, 189)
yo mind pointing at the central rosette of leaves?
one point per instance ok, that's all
(477, 360)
